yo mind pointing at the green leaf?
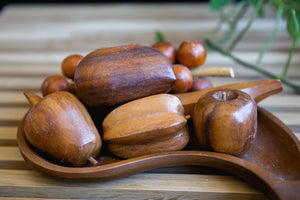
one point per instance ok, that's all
(255, 2)
(276, 3)
(218, 4)
(159, 37)
(293, 27)
(291, 4)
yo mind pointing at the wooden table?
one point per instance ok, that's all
(34, 39)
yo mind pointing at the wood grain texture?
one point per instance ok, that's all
(32, 47)
(116, 75)
(277, 174)
(137, 186)
(60, 126)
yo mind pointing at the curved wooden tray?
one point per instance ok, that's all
(272, 164)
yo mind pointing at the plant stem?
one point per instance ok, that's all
(288, 63)
(223, 18)
(295, 39)
(244, 30)
(251, 66)
(241, 9)
(272, 36)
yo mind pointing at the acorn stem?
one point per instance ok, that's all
(213, 71)
(224, 96)
(92, 160)
(32, 98)
(72, 87)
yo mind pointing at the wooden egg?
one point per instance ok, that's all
(112, 76)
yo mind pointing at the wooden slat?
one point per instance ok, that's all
(12, 98)
(30, 70)
(12, 113)
(20, 83)
(10, 158)
(8, 136)
(10, 154)
(90, 12)
(144, 185)
(116, 28)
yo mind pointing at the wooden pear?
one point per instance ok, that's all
(60, 126)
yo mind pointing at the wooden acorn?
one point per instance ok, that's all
(147, 125)
(112, 76)
(60, 126)
(225, 121)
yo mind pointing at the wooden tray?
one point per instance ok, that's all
(272, 164)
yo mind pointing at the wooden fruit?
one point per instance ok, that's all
(201, 83)
(69, 65)
(191, 53)
(184, 79)
(112, 76)
(60, 126)
(54, 83)
(168, 49)
(226, 121)
(147, 125)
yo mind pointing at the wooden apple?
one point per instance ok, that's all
(60, 126)
(225, 121)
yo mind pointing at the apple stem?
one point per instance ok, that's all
(32, 98)
(92, 160)
(224, 96)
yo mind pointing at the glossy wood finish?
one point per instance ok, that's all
(115, 75)
(258, 90)
(225, 121)
(59, 125)
(180, 158)
(191, 53)
(266, 165)
(147, 125)
(168, 49)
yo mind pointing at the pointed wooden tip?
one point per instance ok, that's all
(32, 98)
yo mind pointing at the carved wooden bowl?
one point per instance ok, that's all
(272, 163)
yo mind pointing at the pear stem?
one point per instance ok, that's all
(32, 98)
(92, 160)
